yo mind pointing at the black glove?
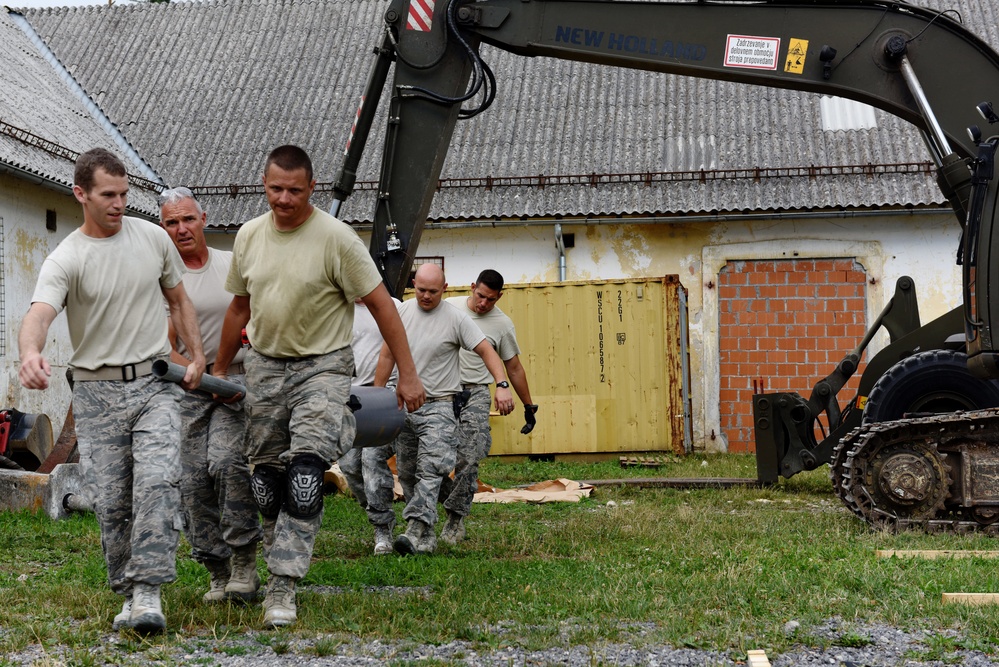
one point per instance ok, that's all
(529, 411)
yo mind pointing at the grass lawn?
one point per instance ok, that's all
(721, 569)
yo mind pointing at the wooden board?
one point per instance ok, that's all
(970, 598)
(931, 554)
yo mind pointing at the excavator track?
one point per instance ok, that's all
(936, 474)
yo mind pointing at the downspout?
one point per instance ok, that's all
(561, 252)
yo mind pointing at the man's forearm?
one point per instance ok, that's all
(232, 338)
(185, 321)
(383, 370)
(518, 380)
(31, 337)
(493, 363)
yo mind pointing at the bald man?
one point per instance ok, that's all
(426, 448)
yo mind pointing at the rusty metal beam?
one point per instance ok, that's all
(678, 482)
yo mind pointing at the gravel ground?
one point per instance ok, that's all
(888, 647)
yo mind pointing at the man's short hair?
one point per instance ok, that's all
(290, 158)
(177, 195)
(88, 163)
(491, 279)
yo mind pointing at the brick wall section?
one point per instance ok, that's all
(787, 322)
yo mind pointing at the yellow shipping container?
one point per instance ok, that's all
(605, 361)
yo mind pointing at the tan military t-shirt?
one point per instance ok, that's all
(434, 340)
(499, 331)
(111, 290)
(301, 283)
(206, 289)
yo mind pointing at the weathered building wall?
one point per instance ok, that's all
(25, 244)
(885, 246)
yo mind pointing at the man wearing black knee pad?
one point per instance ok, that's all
(295, 274)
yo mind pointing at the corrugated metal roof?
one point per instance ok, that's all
(43, 126)
(205, 90)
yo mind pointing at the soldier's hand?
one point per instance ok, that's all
(504, 400)
(410, 393)
(529, 411)
(223, 374)
(34, 372)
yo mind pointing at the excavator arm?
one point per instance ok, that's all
(918, 64)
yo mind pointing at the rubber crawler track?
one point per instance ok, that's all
(853, 456)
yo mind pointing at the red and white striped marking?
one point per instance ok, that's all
(421, 15)
(353, 128)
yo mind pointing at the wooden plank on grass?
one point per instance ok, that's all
(757, 658)
(932, 554)
(970, 598)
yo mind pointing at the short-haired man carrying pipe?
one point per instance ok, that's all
(111, 276)
(222, 523)
(426, 446)
(295, 274)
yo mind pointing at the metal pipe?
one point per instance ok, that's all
(560, 244)
(376, 410)
(171, 372)
(909, 75)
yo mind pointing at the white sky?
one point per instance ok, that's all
(32, 4)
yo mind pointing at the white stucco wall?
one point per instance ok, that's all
(26, 243)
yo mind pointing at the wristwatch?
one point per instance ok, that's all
(503, 385)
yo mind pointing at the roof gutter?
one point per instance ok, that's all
(651, 220)
(61, 188)
(664, 219)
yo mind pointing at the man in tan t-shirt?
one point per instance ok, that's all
(426, 447)
(222, 524)
(111, 276)
(295, 274)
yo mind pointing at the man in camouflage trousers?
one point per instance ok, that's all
(219, 509)
(425, 448)
(111, 276)
(366, 469)
(295, 274)
(474, 438)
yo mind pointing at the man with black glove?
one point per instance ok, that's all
(474, 439)
(529, 411)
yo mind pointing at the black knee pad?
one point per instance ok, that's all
(304, 497)
(267, 485)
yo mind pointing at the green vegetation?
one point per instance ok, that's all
(719, 569)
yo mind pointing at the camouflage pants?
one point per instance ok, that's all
(296, 407)
(474, 441)
(129, 439)
(425, 453)
(371, 482)
(219, 509)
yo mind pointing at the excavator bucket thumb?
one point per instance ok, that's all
(785, 442)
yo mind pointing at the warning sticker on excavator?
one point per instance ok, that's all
(861, 402)
(421, 15)
(751, 52)
(796, 51)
